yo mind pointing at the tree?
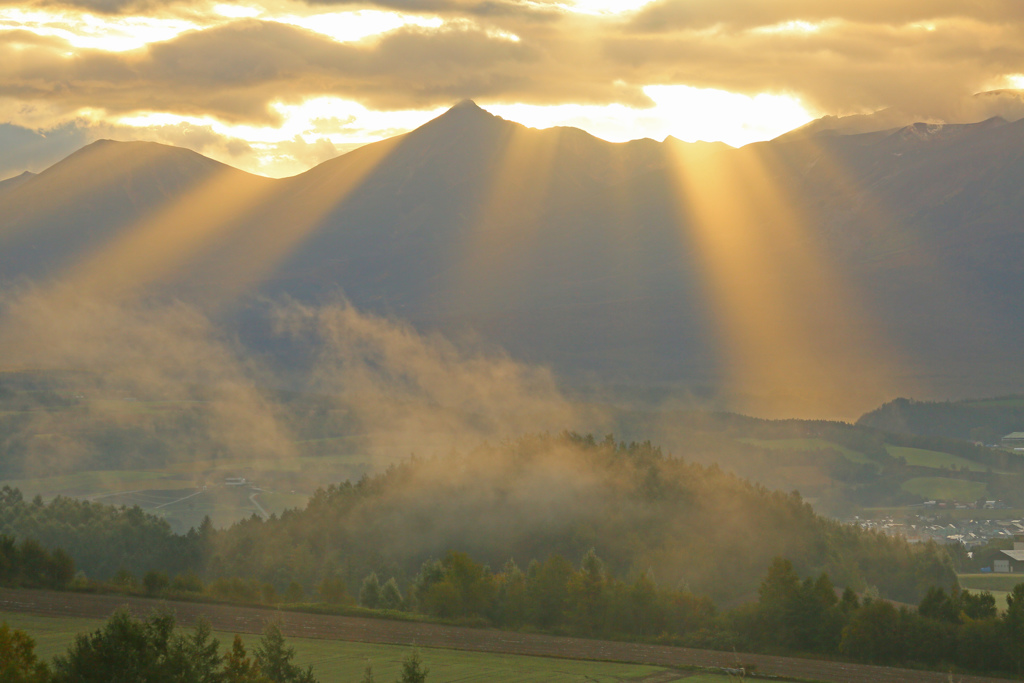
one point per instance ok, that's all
(122, 651)
(155, 582)
(546, 589)
(199, 653)
(126, 650)
(872, 633)
(369, 593)
(294, 592)
(779, 594)
(1013, 627)
(333, 590)
(18, 661)
(390, 596)
(587, 594)
(60, 569)
(413, 670)
(274, 659)
(238, 668)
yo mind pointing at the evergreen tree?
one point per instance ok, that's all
(238, 668)
(413, 670)
(274, 659)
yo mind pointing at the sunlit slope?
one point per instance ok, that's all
(135, 201)
(823, 272)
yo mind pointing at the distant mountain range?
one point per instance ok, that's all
(639, 264)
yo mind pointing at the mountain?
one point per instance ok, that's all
(15, 181)
(1006, 104)
(97, 196)
(836, 270)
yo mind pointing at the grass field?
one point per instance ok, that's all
(919, 457)
(990, 582)
(944, 488)
(807, 445)
(339, 661)
(999, 585)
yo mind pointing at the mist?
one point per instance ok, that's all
(97, 384)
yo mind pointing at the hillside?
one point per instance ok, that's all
(984, 420)
(681, 524)
(169, 444)
(878, 262)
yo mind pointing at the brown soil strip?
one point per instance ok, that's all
(300, 625)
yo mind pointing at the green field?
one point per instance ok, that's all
(919, 457)
(943, 488)
(807, 445)
(990, 582)
(337, 661)
(999, 585)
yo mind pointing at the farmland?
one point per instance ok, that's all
(808, 445)
(944, 488)
(338, 661)
(540, 657)
(920, 457)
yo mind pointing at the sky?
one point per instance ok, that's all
(277, 86)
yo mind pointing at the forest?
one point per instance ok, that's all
(644, 512)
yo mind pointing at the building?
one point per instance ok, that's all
(1012, 561)
(1013, 440)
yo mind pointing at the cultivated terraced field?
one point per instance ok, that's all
(251, 620)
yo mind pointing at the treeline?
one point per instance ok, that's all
(791, 615)
(552, 596)
(985, 421)
(29, 565)
(127, 650)
(681, 523)
(102, 539)
(644, 511)
(958, 629)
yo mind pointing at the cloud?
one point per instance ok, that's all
(29, 150)
(101, 6)
(236, 71)
(671, 15)
(920, 57)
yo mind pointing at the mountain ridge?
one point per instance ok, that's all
(572, 251)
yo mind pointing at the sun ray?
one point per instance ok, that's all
(157, 247)
(792, 331)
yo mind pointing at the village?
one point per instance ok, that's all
(933, 521)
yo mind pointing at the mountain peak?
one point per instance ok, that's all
(467, 105)
(467, 110)
(464, 117)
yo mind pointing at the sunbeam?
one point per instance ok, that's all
(793, 333)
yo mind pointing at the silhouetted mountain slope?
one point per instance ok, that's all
(96, 195)
(10, 183)
(638, 262)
